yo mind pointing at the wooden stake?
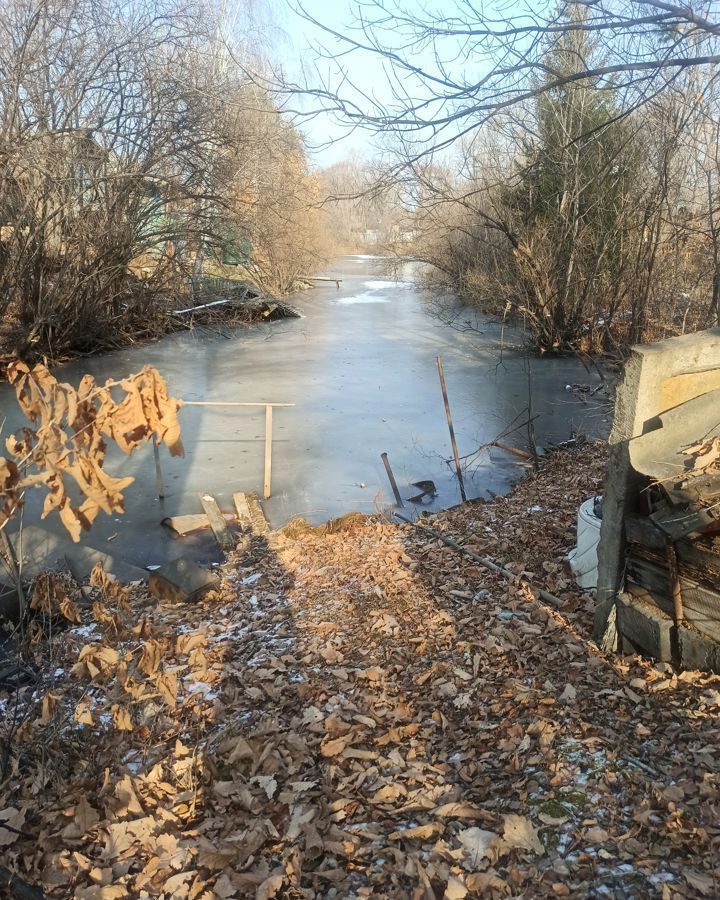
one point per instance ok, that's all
(391, 479)
(448, 415)
(158, 471)
(268, 450)
(217, 522)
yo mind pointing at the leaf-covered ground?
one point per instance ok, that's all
(367, 714)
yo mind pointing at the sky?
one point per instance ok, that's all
(329, 141)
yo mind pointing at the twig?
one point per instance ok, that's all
(488, 563)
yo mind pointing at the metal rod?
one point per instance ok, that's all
(268, 450)
(488, 563)
(448, 415)
(391, 479)
(158, 471)
(678, 611)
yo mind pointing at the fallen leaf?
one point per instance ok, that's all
(475, 843)
(519, 832)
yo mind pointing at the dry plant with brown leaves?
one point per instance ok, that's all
(65, 450)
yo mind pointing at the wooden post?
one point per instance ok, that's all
(451, 429)
(391, 479)
(158, 471)
(268, 451)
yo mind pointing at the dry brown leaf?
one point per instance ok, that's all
(455, 889)
(121, 717)
(482, 882)
(270, 887)
(476, 843)
(418, 832)
(519, 832)
(703, 882)
(85, 816)
(49, 705)
(101, 892)
(167, 684)
(83, 714)
(14, 819)
(336, 746)
(458, 811)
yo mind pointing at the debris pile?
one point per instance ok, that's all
(363, 712)
(704, 457)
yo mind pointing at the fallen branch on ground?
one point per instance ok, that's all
(488, 563)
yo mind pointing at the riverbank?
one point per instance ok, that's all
(365, 713)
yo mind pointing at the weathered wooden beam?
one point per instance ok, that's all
(217, 522)
(258, 522)
(229, 403)
(701, 604)
(243, 510)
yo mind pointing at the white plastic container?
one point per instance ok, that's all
(583, 558)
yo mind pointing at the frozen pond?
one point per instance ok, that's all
(361, 368)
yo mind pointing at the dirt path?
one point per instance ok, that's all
(369, 714)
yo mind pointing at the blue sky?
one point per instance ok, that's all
(328, 141)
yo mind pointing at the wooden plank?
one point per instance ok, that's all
(217, 522)
(243, 510)
(268, 450)
(229, 403)
(183, 525)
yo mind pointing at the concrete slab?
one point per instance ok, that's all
(82, 559)
(182, 580)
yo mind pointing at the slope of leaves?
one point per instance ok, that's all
(365, 714)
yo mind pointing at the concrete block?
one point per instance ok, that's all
(697, 650)
(82, 559)
(656, 378)
(181, 580)
(646, 626)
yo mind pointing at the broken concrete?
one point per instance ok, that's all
(182, 580)
(657, 377)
